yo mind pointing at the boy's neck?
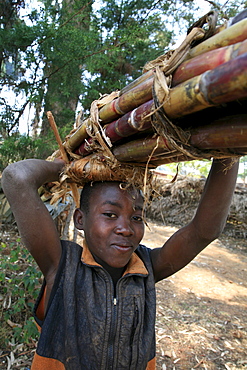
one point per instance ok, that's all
(115, 272)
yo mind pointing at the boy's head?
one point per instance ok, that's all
(111, 216)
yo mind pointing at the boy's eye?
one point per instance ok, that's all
(109, 214)
(138, 218)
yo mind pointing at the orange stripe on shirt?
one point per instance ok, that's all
(151, 364)
(40, 311)
(45, 363)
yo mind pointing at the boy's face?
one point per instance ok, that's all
(114, 226)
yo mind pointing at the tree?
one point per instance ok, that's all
(63, 52)
(71, 48)
(107, 47)
(15, 37)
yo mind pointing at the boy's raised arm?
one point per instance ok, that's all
(206, 225)
(20, 182)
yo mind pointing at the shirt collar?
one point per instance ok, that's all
(135, 264)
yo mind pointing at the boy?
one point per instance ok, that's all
(97, 305)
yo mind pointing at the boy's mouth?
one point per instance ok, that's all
(122, 247)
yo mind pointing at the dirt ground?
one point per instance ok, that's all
(202, 309)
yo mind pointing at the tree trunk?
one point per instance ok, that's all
(64, 75)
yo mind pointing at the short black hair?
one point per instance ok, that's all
(85, 196)
(86, 193)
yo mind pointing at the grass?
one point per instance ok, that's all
(20, 282)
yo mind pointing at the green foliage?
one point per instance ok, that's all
(191, 168)
(6, 119)
(243, 171)
(19, 287)
(196, 168)
(18, 147)
(130, 37)
(243, 159)
(18, 37)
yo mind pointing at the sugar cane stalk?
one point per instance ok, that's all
(142, 92)
(128, 101)
(137, 82)
(63, 154)
(225, 83)
(78, 137)
(229, 36)
(178, 157)
(228, 132)
(118, 107)
(140, 149)
(207, 61)
(140, 119)
(135, 121)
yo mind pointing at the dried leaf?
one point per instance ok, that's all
(13, 324)
(168, 354)
(10, 360)
(237, 334)
(227, 367)
(228, 345)
(199, 364)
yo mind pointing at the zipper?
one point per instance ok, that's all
(112, 334)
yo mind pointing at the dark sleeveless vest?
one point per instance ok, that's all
(86, 327)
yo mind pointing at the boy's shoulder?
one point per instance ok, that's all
(143, 249)
(144, 253)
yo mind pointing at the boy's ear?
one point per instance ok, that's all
(79, 219)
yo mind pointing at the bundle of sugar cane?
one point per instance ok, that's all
(140, 90)
(142, 126)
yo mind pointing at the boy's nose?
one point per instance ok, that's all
(123, 227)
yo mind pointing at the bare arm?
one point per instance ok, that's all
(206, 225)
(20, 182)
